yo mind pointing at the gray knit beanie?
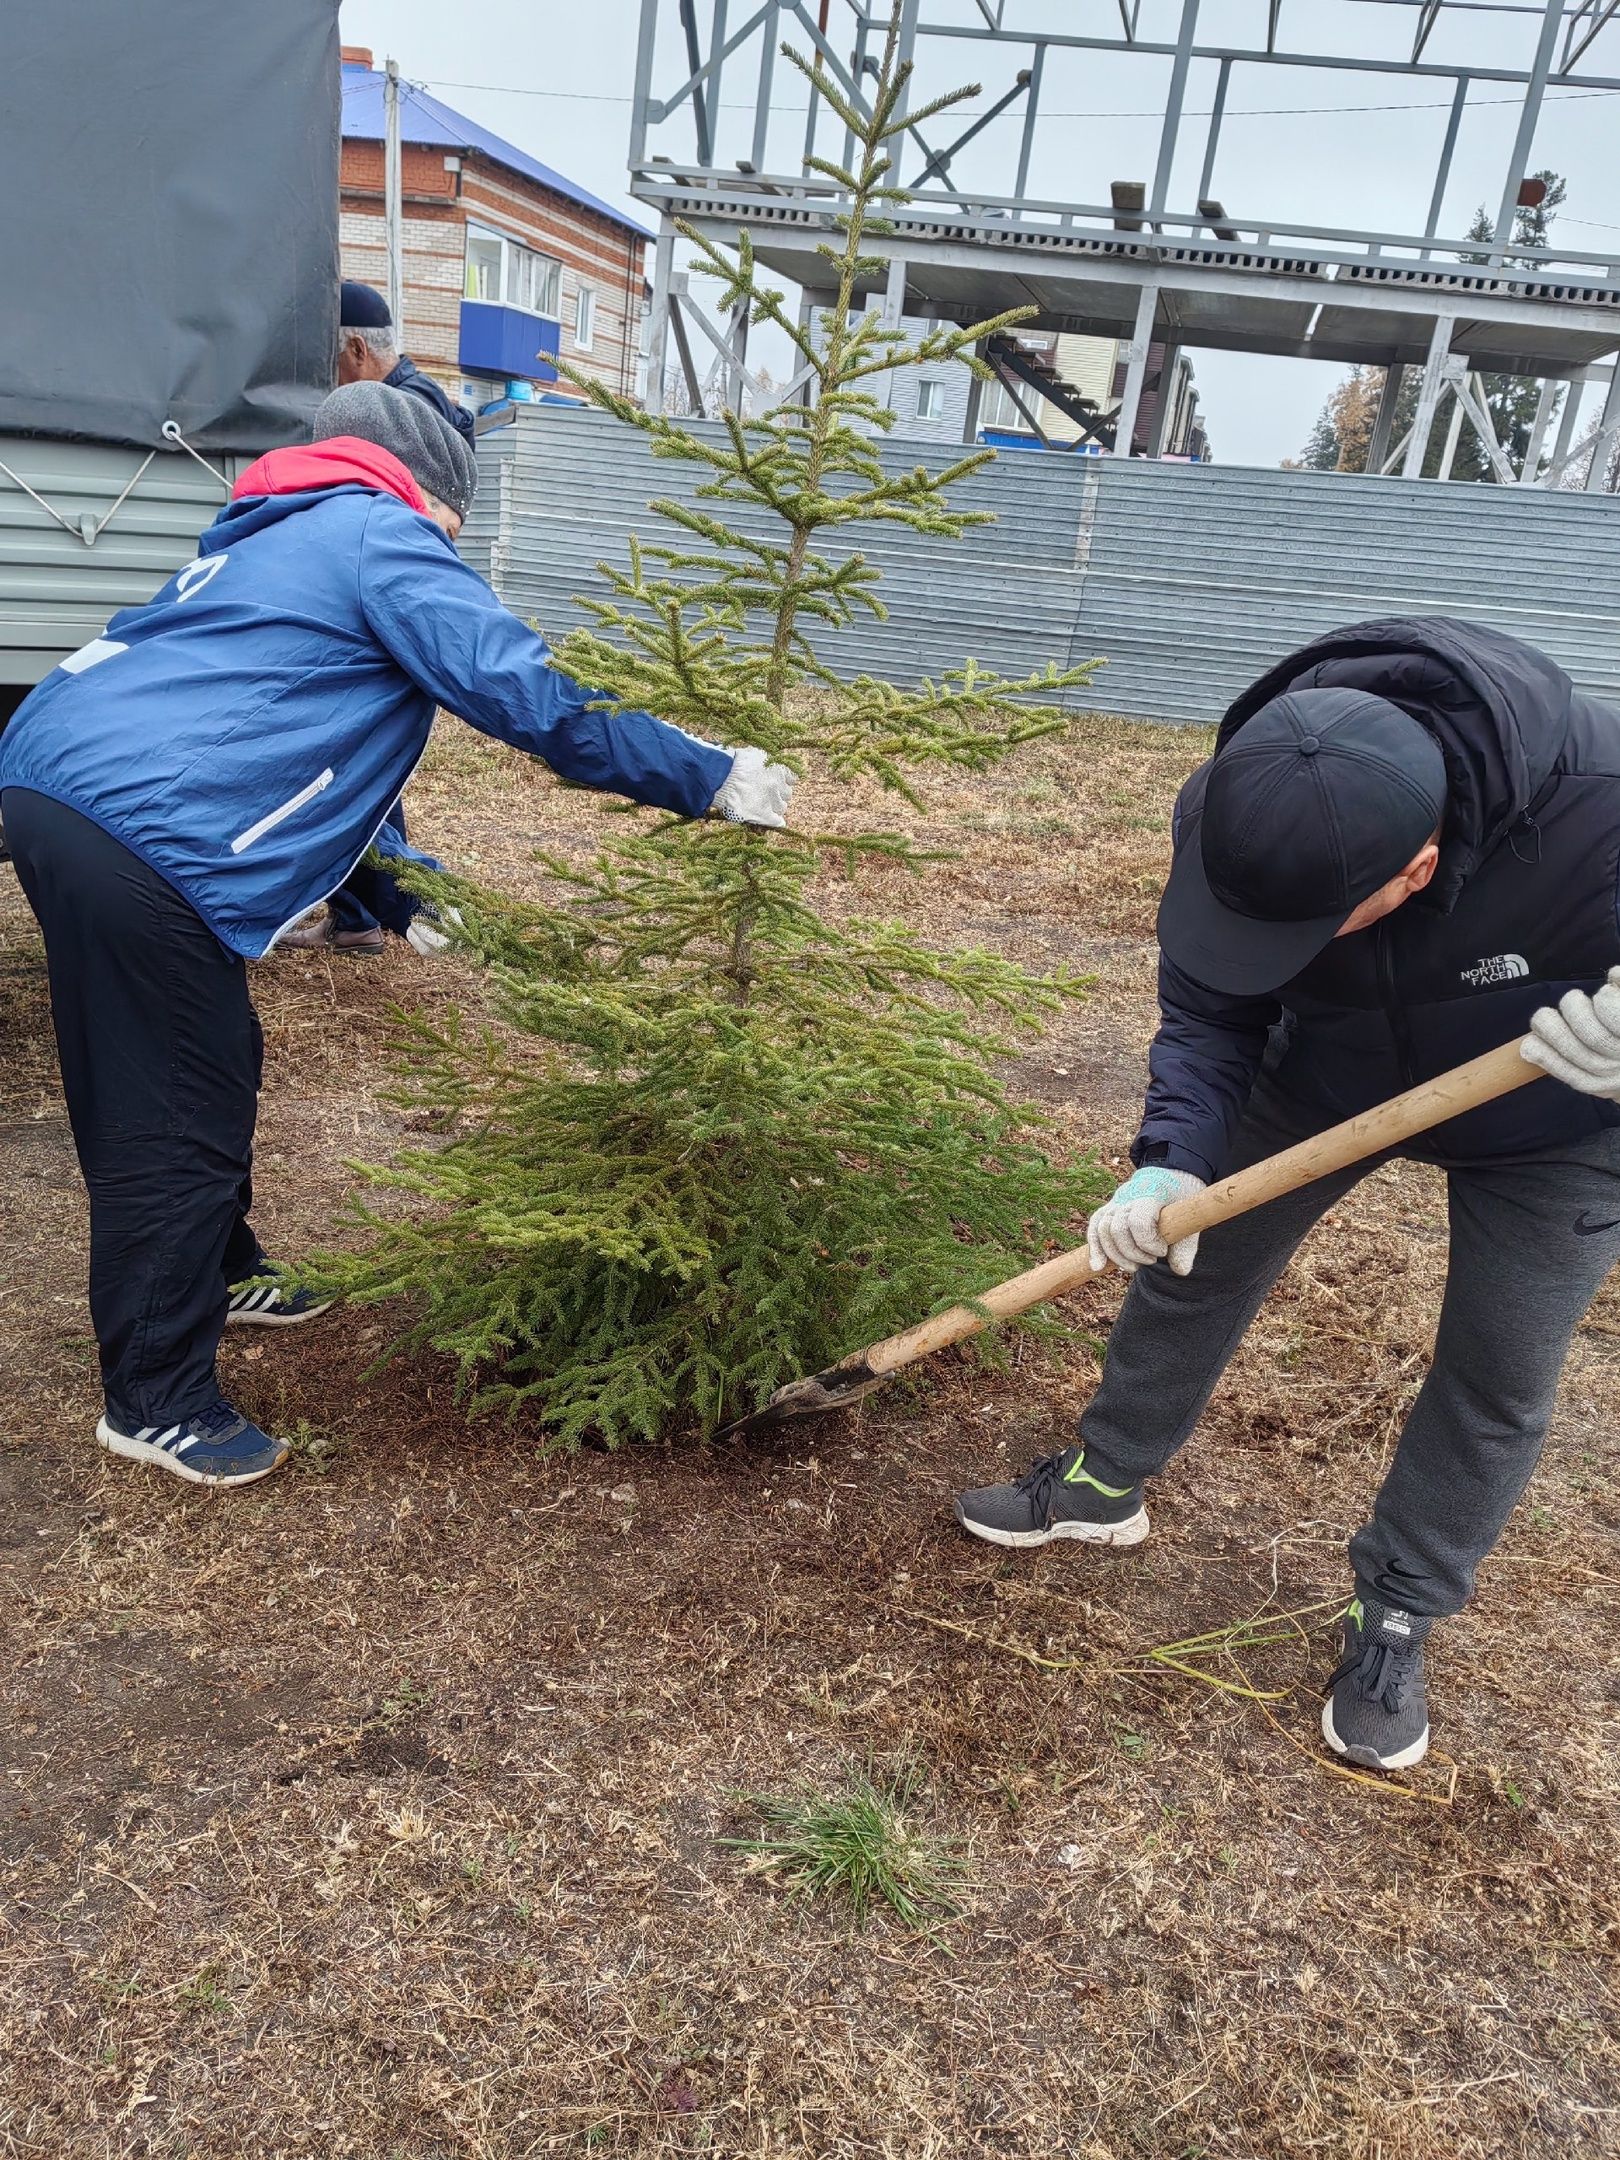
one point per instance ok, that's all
(437, 458)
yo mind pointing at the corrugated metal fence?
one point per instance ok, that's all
(1189, 579)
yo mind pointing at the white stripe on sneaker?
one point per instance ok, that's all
(141, 1447)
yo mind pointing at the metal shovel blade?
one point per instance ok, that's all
(834, 1389)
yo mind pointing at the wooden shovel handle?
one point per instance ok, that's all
(1372, 1132)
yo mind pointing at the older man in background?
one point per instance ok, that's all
(367, 352)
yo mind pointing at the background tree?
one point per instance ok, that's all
(1342, 436)
(726, 1138)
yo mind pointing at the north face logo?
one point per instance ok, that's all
(1506, 967)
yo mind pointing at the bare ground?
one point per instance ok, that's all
(378, 1810)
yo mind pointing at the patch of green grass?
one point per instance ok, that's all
(399, 1706)
(315, 1448)
(204, 1993)
(860, 1845)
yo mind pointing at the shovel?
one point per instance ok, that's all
(1372, 1132)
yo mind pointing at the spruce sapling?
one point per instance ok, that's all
(738, 1138)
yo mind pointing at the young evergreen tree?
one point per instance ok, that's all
(737, 1138)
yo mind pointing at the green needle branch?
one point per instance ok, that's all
(723, 1138)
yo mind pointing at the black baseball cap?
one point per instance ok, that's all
(362, 307)
(1318, 800)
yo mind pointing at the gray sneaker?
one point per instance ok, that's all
(1057, 1497)
(1376, 1712)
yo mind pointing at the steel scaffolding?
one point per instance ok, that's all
(1143, 267)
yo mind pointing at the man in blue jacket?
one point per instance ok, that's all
(191, 782)
(1405, 851)
(368, 902)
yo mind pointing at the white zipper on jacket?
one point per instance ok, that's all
(297, 802)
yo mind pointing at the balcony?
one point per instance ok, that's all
(508, 341)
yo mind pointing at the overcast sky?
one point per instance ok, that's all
(556, 78)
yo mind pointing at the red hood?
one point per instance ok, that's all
(340, 461)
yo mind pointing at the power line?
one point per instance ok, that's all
(1146, 112)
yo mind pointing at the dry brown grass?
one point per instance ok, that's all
(379, 1811)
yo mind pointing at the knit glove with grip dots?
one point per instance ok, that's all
(1124, 1232)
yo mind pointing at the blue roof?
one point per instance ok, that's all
(422, 119)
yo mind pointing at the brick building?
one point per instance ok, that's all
(506, 263)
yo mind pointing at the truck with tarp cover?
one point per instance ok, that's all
(168, 289)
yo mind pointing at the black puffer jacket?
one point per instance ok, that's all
(1525, 905)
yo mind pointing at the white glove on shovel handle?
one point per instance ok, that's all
(755, 792)
(1578, 1040)
(1124, 1232)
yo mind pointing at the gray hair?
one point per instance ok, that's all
(379, 342)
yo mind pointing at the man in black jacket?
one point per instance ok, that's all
(1405, 851)
(367, 353)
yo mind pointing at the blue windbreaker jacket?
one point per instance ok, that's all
(247, 732)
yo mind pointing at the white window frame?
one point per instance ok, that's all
(930, 399)
(527, 280)
(584, 317)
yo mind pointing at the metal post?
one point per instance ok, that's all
(1470, 391)
(1603, 448)
(891, 317)
(1165, 410)
(807, 315)
(1384, 419)
(906, 50)
(975, 404)
(1538, 433)
(858, 68)
(717, 60)
(1032, 103)
(658, 315)
(1173, 104)
(737, 369)
(767, 68)
(1524, 138)
(1562, 446)
(1448, 455)
(393, 238)
(687, 10)
(1434, 377)
(646, 47)
(683, 346)
(1135, 370)
(1447, 152)
(1206, 180)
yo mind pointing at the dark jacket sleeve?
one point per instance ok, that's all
(1205, 1057)
(1201, 1066)
(446, 629)
(409, 378)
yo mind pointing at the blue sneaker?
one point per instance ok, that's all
(266, 1304)
(216, 1447)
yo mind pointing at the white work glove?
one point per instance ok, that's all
(423, 937)
(755, 792)
(1124, 1232)
(1578, 1040)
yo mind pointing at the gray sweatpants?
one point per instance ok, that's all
(1531, 1241)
